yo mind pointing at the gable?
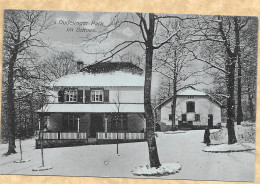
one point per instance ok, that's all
(185, 99)
(190, 92)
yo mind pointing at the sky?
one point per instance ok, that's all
(73, 28)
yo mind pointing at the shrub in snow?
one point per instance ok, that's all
(165, 169)
(223, 148)
(245, 133)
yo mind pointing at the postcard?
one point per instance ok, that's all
(130, 95)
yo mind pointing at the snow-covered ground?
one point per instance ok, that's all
(102, 160)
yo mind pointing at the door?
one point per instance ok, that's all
(96, 124)
(184, 117)
(210, 120)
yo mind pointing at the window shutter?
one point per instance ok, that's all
(87, 96)
(80, 96)
(61, 96)
(106, 95)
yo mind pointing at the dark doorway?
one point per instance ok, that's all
(184, 117)
(96, 124)
(210, 120)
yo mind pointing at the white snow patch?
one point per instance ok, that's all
(164, 169)
(175, 132)
(92, 108)
(214, 130)
(117, 78)
(230, 147)
(191, 92)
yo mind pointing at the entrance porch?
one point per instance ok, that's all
(74, 129)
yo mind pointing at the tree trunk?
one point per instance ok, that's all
(230, 76)
(41, 137)
(10, 105)
(153, 153)
(174, 96)
(250, 103)
(239, 103)
(21, 151)
(239, 73)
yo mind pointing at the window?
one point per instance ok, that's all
(197, 117)
(119, 122)
(71, 95)
(170, 116)
(190, 106)
(97, 96)
(70, 123)
(189, 97)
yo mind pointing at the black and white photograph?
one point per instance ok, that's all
(129, 95)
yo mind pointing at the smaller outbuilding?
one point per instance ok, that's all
(194, 110)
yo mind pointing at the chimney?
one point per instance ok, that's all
(79, 65)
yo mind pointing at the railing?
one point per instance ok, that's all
(113, 135)
(64, 135)
(49, 135)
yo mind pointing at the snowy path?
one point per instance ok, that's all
(101, 160)
(198, 165)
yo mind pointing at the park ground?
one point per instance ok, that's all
(184, 148)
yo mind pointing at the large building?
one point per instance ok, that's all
(97, 102)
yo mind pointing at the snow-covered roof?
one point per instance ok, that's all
(190, 92)
(92, 108)
(117, 78)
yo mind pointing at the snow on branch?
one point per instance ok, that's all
(168, 39)
(205, 61)
(117, 49)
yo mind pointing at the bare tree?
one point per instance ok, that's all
(176, 66)
(117, 117)
(59, 64)
(133, 58)
(223, 33)
(148, 27)
(22, 30)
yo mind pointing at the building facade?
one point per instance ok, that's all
(194, 110)
(99, 101)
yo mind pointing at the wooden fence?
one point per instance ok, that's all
(64, 135)
(113, 135)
